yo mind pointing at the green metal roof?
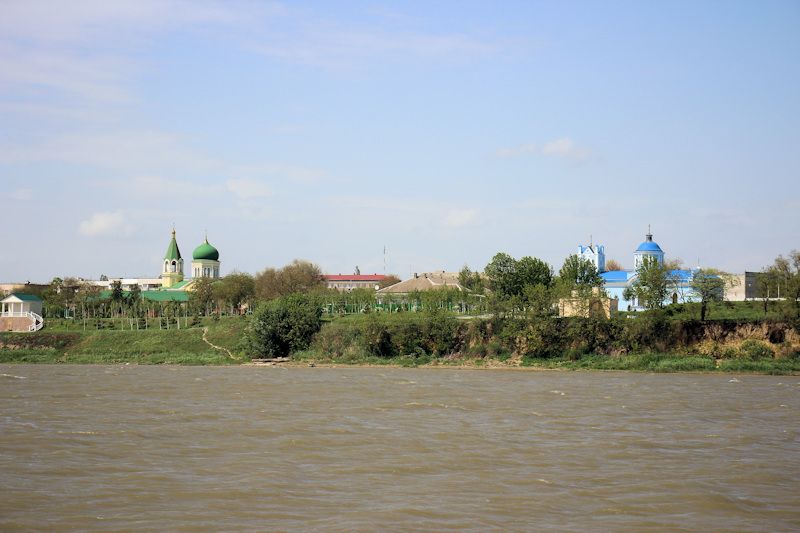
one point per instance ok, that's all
(180, 285)
(153, 296)
(206, 251)
(26, 297)
(173, 253)
(166, 296)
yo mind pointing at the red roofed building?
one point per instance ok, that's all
(348, 282)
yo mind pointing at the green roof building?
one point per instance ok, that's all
(173, 264)
(205, 261)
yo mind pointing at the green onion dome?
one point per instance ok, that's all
(206, 251)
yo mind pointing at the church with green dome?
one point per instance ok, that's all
(205, 264)
(170, 285)
(205, 261)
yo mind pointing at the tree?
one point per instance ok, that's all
(296, 277)
(134, 295)
(533, 271)
(785, 273)
(501, 272)
(612, 265)
(284, 325)
(202, 295)
(508, 276)
(538, 300)
(650, 285)
(579, 271)
(234, 289)
(116, 291)
(470, 280)
(54, 297)
(709, 285)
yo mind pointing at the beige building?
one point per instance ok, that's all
(597, 305)
(348, 282)
(425, 282)
(746, 286)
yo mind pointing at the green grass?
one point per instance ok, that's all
(751, 310)
(653, 362)
(648, 362)
(763, 366)
(361, 358)
(228, 333)
(184, 346)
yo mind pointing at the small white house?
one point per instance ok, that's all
(21, 312)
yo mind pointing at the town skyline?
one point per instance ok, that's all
(444, 133)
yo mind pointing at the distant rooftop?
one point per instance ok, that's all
(425, 282)
(354, 277)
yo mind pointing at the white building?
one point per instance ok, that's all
(21, 312)
(596, 253)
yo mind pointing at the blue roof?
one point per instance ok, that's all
(681, 275)
(649, 246)
(616, 276)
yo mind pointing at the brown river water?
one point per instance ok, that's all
(144, 448)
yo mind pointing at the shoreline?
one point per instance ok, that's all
(297, 365)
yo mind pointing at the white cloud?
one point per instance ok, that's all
(103, 224)
(564, 147)
(457, 218)
(95, 78)
(246, 189)
(85, 50)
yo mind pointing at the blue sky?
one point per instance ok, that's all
(444, 131)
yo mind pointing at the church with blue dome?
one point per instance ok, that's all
(616, 281)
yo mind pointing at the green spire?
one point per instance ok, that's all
(172, 250)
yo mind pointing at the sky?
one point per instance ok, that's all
(440, 132)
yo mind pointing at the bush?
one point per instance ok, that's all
(752, 349)
(407, 338)
(441, 330)
(728, 352)
(283, 326)
(377, 339)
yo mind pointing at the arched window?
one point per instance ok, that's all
(173, 267)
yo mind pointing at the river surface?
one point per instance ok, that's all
(146, 448)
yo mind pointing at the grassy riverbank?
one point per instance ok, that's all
(654, 343)
(649, 362)
(421, 340)
(183, 347)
